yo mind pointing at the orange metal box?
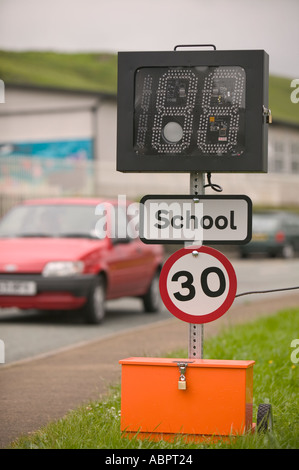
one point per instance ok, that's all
(217, 399)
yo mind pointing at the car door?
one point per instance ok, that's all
(294, 232)
(129, 262)
(296, 237)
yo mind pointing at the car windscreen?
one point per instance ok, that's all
(264, 223)
(50, 221)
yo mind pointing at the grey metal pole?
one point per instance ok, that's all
(196, 331)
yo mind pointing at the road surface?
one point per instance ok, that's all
(30, 334)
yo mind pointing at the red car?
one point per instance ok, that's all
(69, 253)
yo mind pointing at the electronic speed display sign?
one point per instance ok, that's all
(207, 100)
(198, 284)
(183, 111)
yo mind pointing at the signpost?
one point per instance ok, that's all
(194, 112)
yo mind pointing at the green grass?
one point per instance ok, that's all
(280, 102)
(267, 341)
(85, 72)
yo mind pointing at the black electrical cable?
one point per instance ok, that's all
(215, 187)
(266, 291)
(218, 188)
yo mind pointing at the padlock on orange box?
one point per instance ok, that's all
(216, 399)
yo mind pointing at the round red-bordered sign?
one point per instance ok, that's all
(198, 284)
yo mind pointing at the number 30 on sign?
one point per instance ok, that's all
(198, 284)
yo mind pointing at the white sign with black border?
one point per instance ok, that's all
(221, 219)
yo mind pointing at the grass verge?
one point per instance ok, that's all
(267, 341)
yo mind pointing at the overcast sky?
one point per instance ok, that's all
(120, 25)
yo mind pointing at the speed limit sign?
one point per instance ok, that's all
(198, 284)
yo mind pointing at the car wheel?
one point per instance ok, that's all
(264, 421)
(152, 299)
(288, 251)
(94, 309)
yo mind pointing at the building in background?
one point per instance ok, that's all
(62, 141)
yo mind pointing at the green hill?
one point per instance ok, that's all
(85, 72)
(280, 102)
(97, 72)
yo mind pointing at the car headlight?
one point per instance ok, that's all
(63, 268)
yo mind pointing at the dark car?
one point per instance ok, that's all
(273, 234)
(67, 254)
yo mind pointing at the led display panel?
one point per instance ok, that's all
(192, 111)
(196, 111)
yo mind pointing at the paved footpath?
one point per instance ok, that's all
(37, 391)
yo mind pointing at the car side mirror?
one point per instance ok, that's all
(121, 240)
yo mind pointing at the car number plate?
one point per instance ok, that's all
(17, 288)
(259, 237)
